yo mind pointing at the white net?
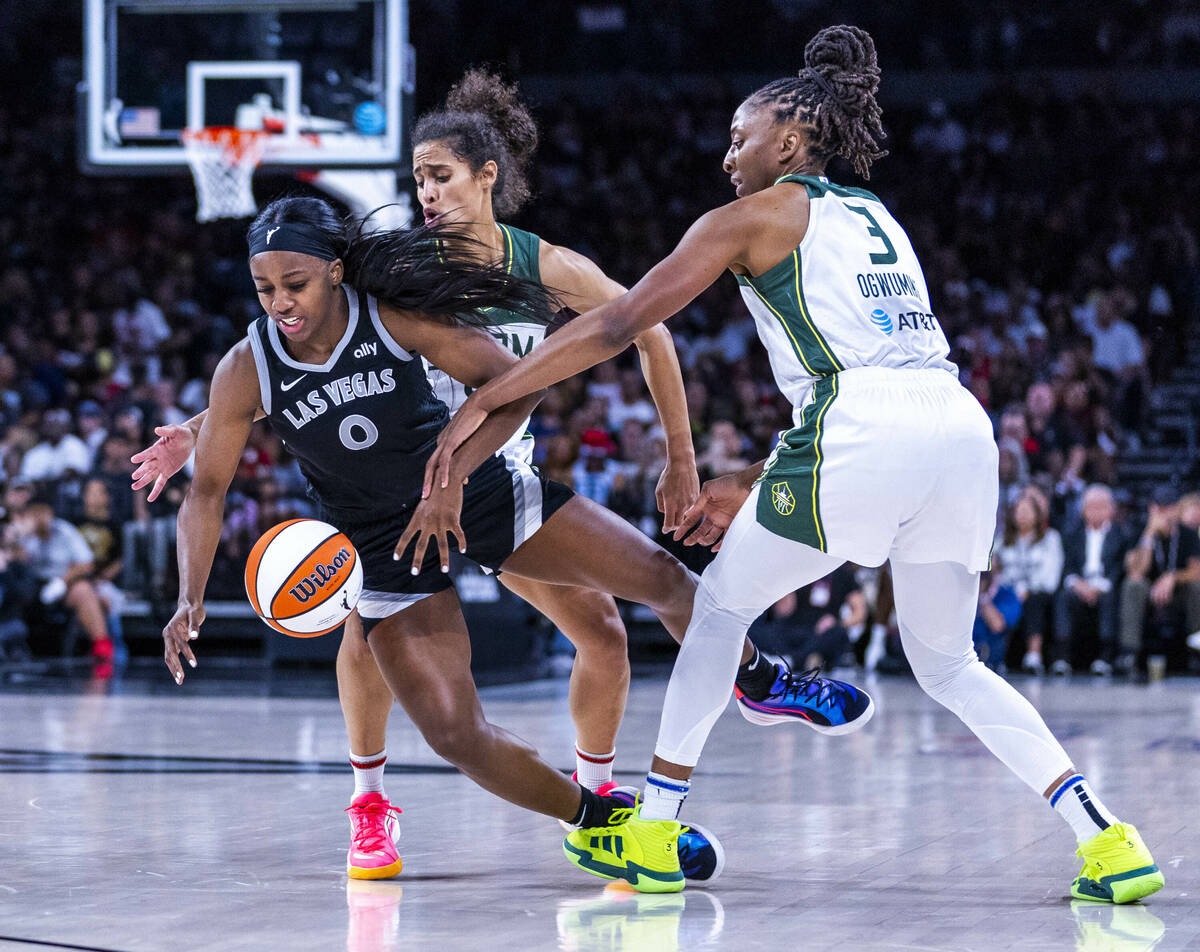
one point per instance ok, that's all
(223, 160)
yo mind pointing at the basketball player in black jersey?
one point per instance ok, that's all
(336, 371)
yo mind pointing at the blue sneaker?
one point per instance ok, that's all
(701, 855)
(825, 705)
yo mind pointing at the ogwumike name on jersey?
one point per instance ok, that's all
(341, 391)
(888, 284)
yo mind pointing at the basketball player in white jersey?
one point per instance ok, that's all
(889, 458)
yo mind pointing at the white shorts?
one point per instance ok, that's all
(886, 464)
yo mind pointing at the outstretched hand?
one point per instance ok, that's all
(181, 630)
(713, 511)
(436, 517)
(163, 459)
(465, 422)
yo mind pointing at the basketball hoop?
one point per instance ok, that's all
(223, 160)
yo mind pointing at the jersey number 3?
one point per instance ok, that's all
(887, 257)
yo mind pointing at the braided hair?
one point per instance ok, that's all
(485, 120)
(833, 97)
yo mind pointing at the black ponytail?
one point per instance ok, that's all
(440, 271)
(432, 270)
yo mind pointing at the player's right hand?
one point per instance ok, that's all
(162, 460)
(181, 630)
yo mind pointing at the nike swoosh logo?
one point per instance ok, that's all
(288, 386)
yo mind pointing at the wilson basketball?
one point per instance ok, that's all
(303, 577)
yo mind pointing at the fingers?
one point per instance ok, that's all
(707, 533)
(159, 485)
(431, 470)
(443, 468)
(423, 538)
(406, 537)
(692, 515)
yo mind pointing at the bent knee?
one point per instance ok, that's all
(600, 628)
(458, 742)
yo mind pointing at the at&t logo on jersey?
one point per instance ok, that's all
(782, 499)
(904, 321)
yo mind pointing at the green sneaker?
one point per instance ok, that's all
(1117, 867)
(644, 853)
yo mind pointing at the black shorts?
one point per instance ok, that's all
(504, 503)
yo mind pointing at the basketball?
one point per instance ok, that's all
(303, 578)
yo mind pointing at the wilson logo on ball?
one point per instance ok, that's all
(321, 576)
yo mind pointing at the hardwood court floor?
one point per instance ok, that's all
(164, 819)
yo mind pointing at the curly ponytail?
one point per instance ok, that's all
(833, 96)
(484, 120)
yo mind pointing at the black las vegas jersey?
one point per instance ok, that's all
(362, 424)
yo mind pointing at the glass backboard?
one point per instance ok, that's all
(326, 79)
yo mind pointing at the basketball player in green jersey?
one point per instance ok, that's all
(889, 457)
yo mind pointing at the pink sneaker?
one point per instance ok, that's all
(373, 833)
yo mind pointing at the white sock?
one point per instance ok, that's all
(368, 772)
(593, 770)
(663, 797)
(1075, 802)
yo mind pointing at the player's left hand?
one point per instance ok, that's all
(467, 420)
(436, 517)
(714, 509)
(677, 489)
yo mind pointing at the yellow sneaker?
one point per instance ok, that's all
(644, 853)
(1117, 867)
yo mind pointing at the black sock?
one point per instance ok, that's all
(756, 677)
(595, 810)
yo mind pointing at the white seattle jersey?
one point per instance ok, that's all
(518, 337)
(851, 295)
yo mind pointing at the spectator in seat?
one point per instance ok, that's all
(18, 595)
(1189, 518)
(1160, 570)
(1093, 564)
(102, 531)
(1032, 555)
(816, 625)
(998, 616)
(595, 472)
(60, 452)
(61, 561)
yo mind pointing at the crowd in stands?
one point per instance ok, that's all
(1062, 278)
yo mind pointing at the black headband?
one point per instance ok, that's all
(828, 88)
(291, 236)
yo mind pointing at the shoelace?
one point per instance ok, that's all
(371, 832)
(807, 686)
(619, 816)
